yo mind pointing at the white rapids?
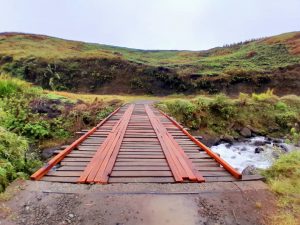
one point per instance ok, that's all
(242, 154)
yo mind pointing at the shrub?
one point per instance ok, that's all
(13, 160)
(286, 119)
(287, 166)
(104, 113)
(136, 83)
(284, 179)
(221, 106)
(295, 136)
(37, 130)
(281, 106)
(266, 96)
(10, 86)
(291, 100)
(184, 111)
(243, 98)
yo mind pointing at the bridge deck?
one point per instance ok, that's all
(137, 143)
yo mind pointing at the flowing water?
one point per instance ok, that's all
(242, 154)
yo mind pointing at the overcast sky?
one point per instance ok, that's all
(152, 24)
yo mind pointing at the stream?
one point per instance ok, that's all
(259, 152)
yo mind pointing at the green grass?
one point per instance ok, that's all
(9, 85)
(107, 98)
(219, 114)
(63, 65)
(22, 126)
(284, 180)
(13, 160)
(270, 53)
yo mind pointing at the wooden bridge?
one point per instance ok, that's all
(137, 144)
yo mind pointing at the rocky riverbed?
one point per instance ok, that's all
(256, 152)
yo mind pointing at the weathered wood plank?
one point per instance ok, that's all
(141, 174)
(141, 180)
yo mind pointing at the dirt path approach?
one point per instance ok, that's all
(43, 203)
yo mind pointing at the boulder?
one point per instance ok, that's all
(246, 132)
(275, 154)
(210, 140)
(228, 145)
(249, 170)
(258, 150)
(284, 147)
(277, 140)
(49, 152)
(259, 143)
(243, 149)
(227, 138)
(254, 130)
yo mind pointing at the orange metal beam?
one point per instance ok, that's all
(227, 166)
(42, 171)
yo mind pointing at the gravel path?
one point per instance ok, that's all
(43, 203)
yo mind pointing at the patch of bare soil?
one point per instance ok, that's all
(42, 203)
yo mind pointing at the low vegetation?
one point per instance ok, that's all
(265, 114)
(64, 65)
(32, 119)
(284, 179)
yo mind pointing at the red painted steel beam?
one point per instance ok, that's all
(227, 166)
(42, 171)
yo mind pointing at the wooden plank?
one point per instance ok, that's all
(140, 160)
(139, 150)
(176, 158)
(228, 167)
(83, 155)
(207, 164)
(141, 180)
(70, 168)
(65, 163)
(212, 168)
(106, 169)
(140, 163)
(177, 171)
(221, 179)
(141, 174)
(97, 167)
(216, 173)
(67, 159)
(141, 168)
(56, 159)
(135, 154)
(60, 179)
(64, 173)
(141, 153)
(142, 156)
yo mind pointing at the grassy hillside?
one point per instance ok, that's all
(70, 65)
